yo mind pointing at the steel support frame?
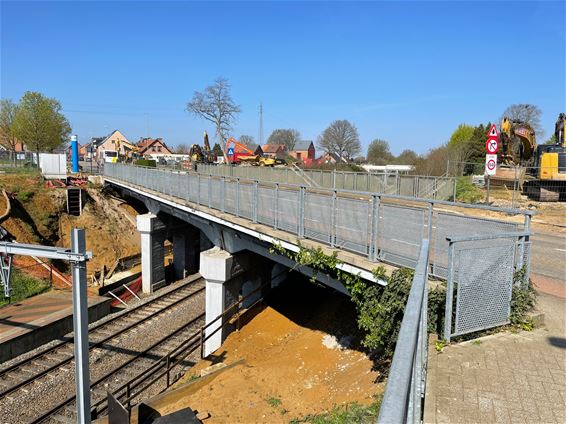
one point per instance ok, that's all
(78, 256)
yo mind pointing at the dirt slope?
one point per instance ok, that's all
(39, 216)
(293, 363)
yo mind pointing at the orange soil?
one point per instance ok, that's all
(284, 358)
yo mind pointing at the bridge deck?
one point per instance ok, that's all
(263, 232)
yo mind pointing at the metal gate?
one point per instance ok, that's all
(480, 281)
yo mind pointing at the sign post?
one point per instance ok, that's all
(491, 147)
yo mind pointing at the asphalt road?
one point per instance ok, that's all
(549, 255)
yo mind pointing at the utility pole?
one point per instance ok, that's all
(261, 124)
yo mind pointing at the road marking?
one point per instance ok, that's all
(562, 250)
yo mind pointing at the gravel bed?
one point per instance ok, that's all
(29, 402)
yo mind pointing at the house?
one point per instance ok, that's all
(304, 151)
(331, 158)
(153, 147)
(115, 142)
(274, 150)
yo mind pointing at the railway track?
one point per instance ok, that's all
(17, 378)
(117, 379)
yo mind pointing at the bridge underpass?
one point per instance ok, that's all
(243, 219)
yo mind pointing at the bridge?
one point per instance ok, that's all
(225, 227)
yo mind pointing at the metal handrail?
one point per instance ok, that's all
(368, 194)
(402, 401)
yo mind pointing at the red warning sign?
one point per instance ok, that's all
(492, 145)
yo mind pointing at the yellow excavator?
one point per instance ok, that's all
(549, 168)
(518, 142)
(202, 155)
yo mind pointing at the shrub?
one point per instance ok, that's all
(146, 162)
(467, 192)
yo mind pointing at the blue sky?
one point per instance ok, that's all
(406, 71)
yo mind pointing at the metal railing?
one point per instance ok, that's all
(404, 394)
(381, 227)
(437, 188)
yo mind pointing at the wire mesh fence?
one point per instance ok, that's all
(515, 185)
(438, 188)
(385, 228)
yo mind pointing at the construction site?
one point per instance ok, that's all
(282, 212)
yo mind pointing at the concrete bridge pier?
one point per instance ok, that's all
(227, 277)
(152, 232)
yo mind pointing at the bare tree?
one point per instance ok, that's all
(215, 104)
(341, 138)
(287, 137)
(182, 149)
(8, 111)
(527, 113)
(248, 140)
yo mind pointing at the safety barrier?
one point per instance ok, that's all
(404, 394)
(386, 228)
(426, 187)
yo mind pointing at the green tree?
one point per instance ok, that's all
(379, 152)
(39, 123)
(461, 135)
(551, 140)
(217, 150)
(288, 137)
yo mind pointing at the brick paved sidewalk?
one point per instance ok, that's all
(506, 377)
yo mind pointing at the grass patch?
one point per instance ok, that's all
(24, 286)
(273, 401)
(351, 413)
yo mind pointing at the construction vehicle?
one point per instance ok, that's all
(548, 183)
(245, 156)
(517, 141)
(202, 155)
(518, 144)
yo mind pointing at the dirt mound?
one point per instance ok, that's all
(299, 357)
(39, 216)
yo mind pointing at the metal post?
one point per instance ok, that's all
(526, 240)
(237, 197)
(449, 293)
(255, 201)
(376, 227)
(454, 190)
(301, 232)
(276, 206)
(80, 327)
(487, 194)
(371, 241)
(333, 220)
(514, 188)
(429, 229)
(198, 189)
(223, 194)
(334, 178)
(210, 190)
